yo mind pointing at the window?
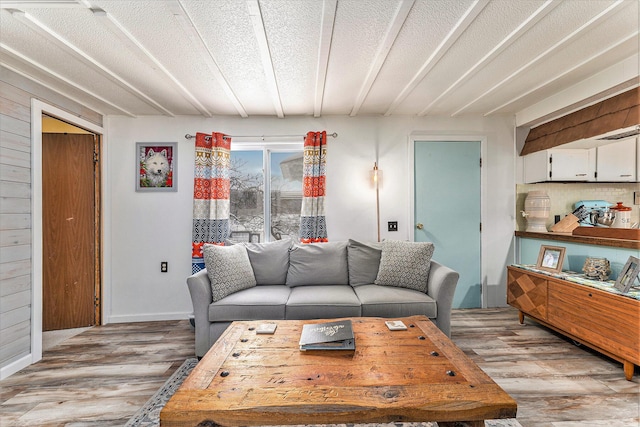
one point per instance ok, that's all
(250, 209)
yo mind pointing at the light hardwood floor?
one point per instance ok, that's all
(103, 375)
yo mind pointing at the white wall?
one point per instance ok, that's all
(143, 229)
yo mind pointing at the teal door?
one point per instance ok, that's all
(447, 210)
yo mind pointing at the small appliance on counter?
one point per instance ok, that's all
(599, 214)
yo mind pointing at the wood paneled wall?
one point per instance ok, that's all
(618, 112)
(16, 287)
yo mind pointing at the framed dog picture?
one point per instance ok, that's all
(156, 166)
(551, 258)
(628, 274)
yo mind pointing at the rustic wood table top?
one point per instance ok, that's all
(418, 374)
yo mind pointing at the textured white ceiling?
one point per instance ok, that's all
(316, 57)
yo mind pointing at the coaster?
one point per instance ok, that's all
(266, 328)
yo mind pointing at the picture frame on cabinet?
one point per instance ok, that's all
(551, 258)
(156, 166)
(628, 274)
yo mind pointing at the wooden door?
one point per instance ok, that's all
(69, 218)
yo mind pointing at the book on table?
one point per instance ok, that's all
(328, 336)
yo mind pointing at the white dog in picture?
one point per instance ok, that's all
(157, 168)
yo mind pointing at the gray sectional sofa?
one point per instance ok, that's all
(284, 280)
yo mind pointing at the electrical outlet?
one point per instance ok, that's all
(636, 197)
(164, 267)
(392, 226)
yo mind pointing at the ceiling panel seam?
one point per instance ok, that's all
(265, 54)
(115, 26)
(57, 76)
(566, 72)
(390, 37)
(326, 36)
(514, 35)
(564, 41)
(69, 47)
(461, 26)
(186, 22)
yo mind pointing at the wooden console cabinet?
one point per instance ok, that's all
(608, 323)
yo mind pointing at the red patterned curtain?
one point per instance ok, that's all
(211, 192)
(313, 226)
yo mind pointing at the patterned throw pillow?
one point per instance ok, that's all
(405, 264)
(229, 269)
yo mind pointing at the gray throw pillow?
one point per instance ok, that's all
(405, 264)
(229, 269)
(364, 262)
(318, 264)
(270, 261)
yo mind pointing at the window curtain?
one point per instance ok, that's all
(211, 192)
(313, 226)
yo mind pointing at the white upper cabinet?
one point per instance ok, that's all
(617, 162)
(559, 165)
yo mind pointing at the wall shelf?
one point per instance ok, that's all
(588, 240)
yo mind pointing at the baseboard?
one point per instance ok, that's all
(150, 317)
(13, 367)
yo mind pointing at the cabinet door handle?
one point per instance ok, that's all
(624, 176)
(581, 174)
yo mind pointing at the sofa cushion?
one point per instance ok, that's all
(258, 303)
(364, 262)
(270, 261)
(229, 269)
(318, 264)
(405, 264)
(322, 302)
(391, 301)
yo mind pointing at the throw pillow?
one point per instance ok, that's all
(405, 264)
(270, 261)
(318, 264)
(364, 262)
(229, 269)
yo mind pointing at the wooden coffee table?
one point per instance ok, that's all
(418, 374)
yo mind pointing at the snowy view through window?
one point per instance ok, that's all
(249, 212)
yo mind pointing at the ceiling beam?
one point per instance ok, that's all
(521, 29)
(46, 32)
(383, 51)
(113, 25)
(265, 54)
(453, 35)
(21, 5)
(184, 19)
(563, 42)
(566, 72)
(35, 64)
(324, 48)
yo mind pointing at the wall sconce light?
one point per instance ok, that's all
(376, 182)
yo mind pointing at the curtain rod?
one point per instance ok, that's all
(334, 135)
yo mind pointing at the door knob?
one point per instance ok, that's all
(419, 226)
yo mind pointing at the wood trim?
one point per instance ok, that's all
(618, 112)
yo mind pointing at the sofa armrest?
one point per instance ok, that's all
(201, 297)
(441, 286)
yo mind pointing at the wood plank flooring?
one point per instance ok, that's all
(103, 375)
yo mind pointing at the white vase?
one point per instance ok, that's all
(537, 207)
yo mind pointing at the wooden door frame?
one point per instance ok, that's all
(38, 108)
(435, 137)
